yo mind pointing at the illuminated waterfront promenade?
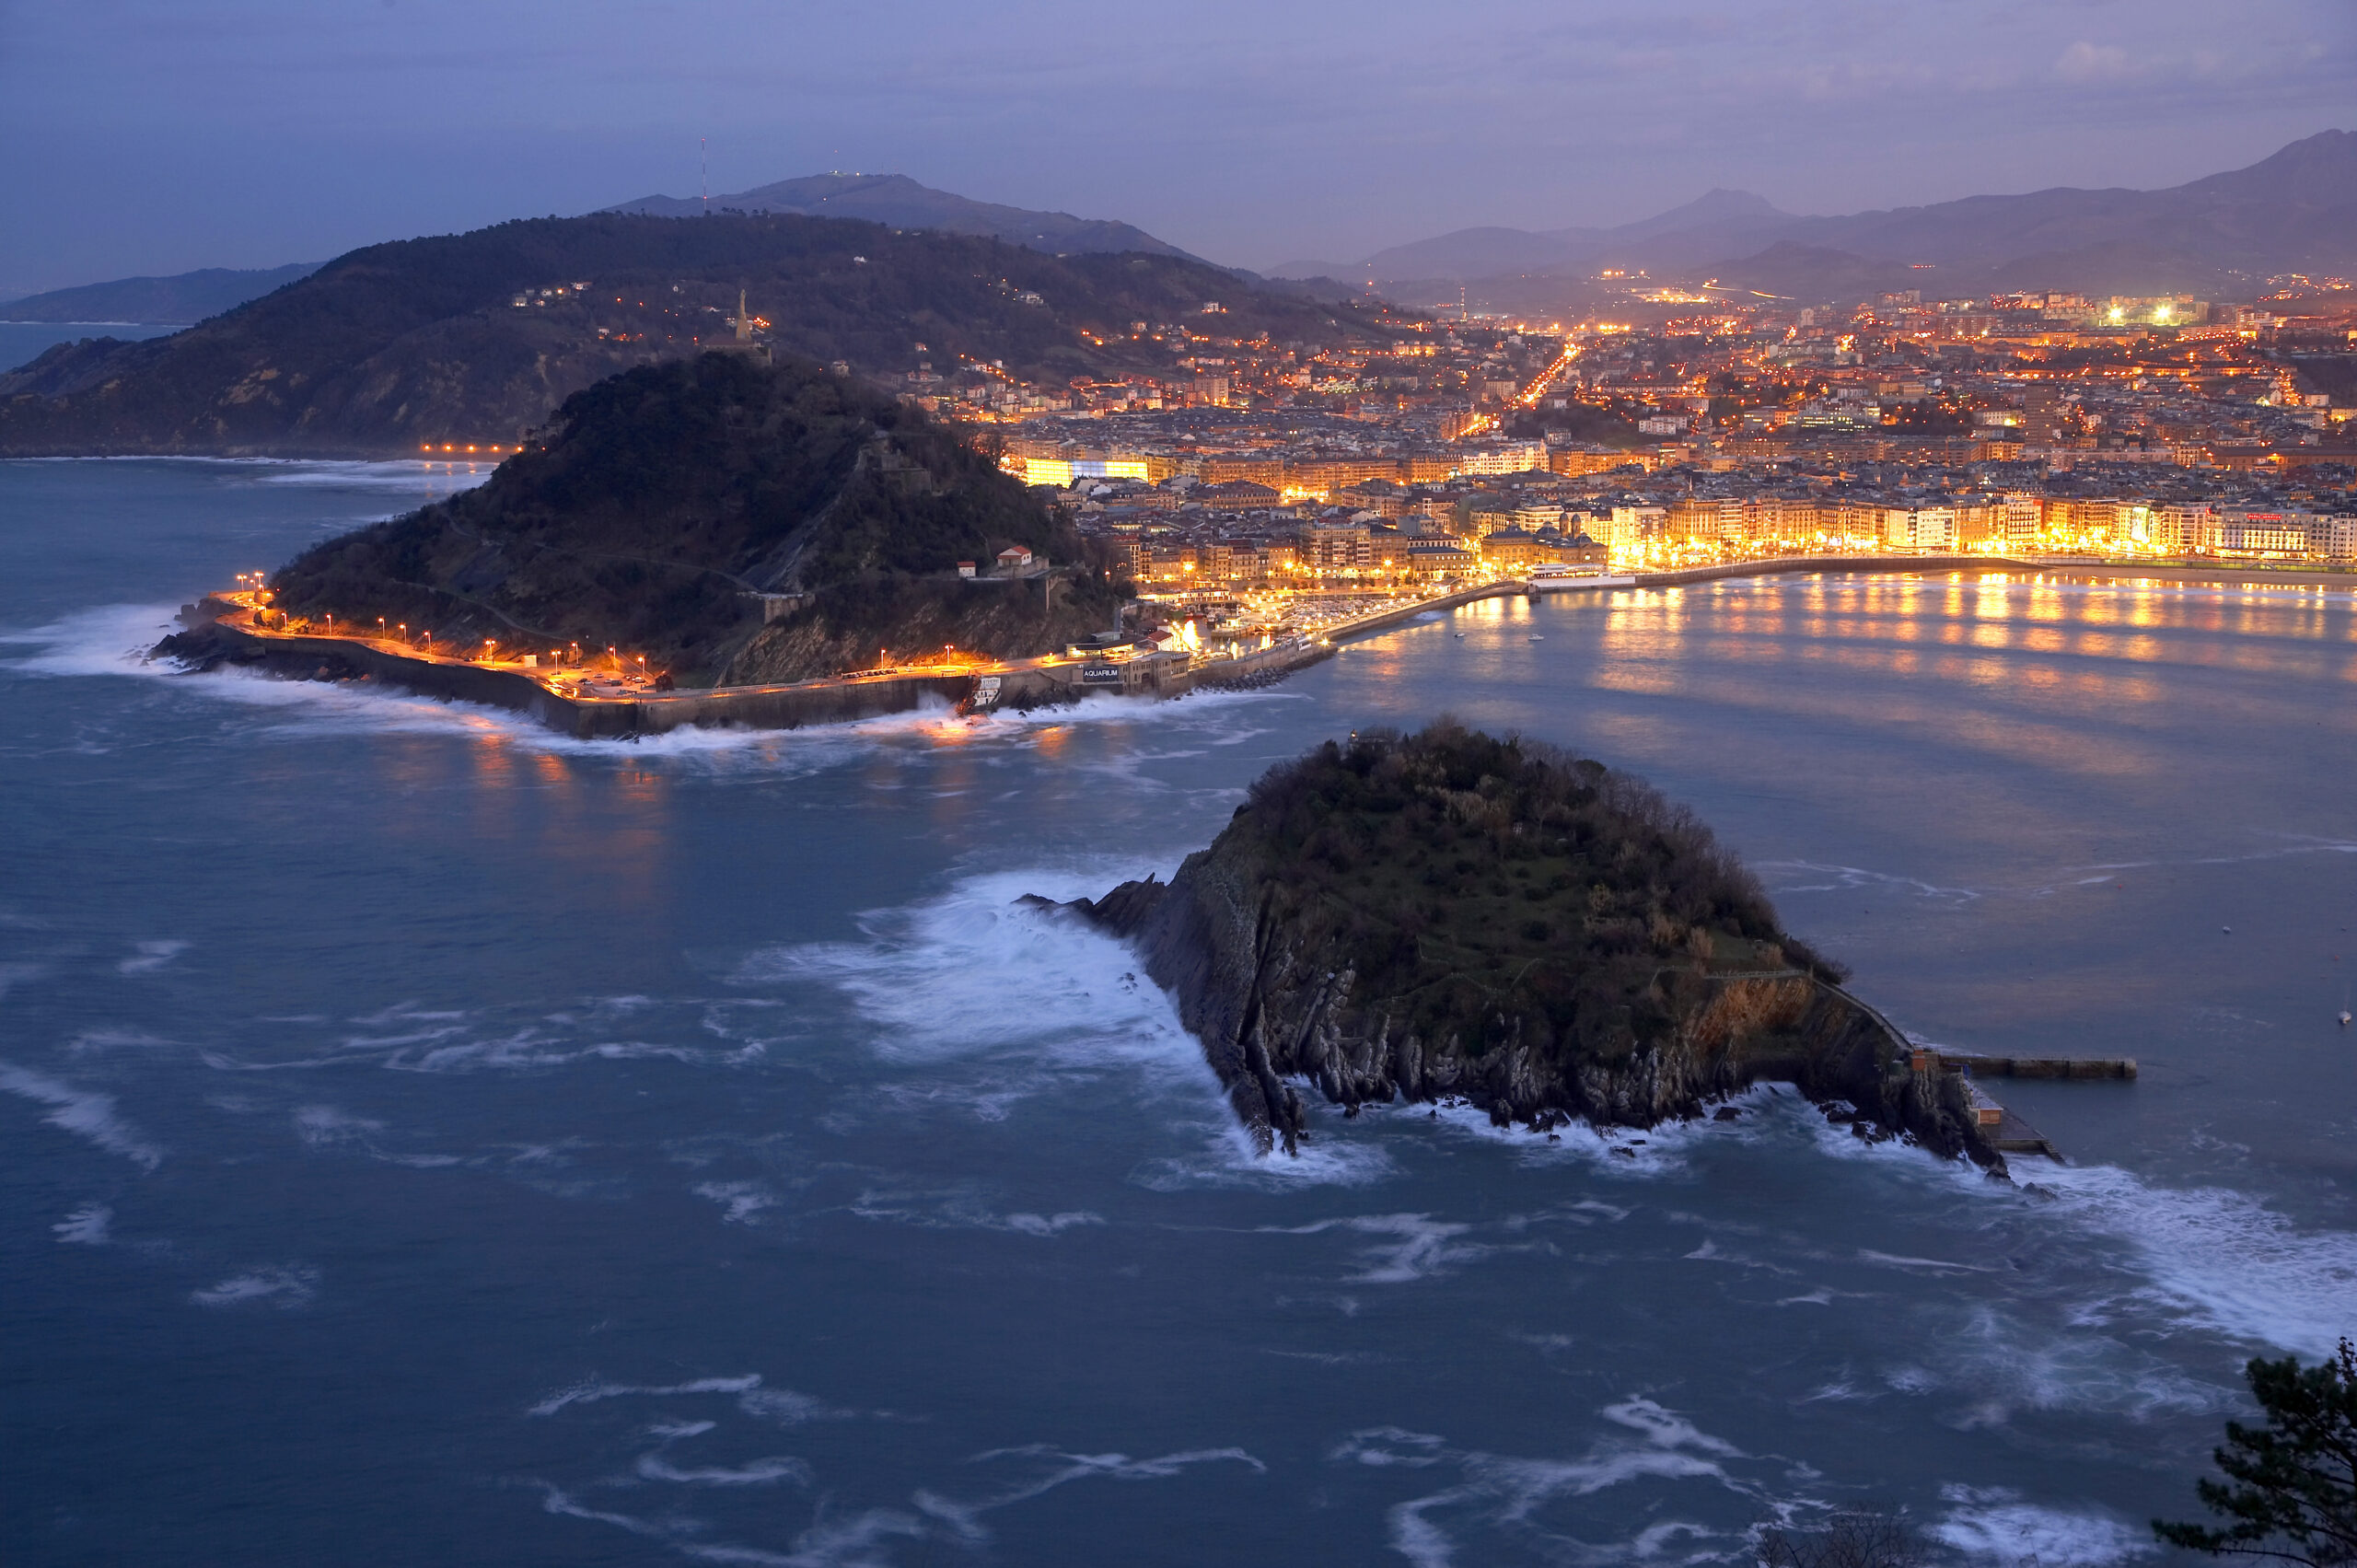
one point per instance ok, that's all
(609, 697)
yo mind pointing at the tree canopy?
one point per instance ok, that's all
(2293, 1483)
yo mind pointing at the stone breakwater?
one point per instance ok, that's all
(1273, 1013)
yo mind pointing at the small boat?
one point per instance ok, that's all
(2344, 1017)
(1460, 637)
(1536, 639)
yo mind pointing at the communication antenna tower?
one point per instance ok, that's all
(704, 166)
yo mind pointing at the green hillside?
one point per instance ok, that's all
(419, 343)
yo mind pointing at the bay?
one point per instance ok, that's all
(429, 1140)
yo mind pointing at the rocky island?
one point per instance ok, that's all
(1450, 915)
(724, 519)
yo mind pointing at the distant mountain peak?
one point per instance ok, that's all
(2318, 171)
(898, 202)
(1719, 202)
(1716, 208)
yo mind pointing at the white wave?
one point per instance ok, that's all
(109, 640)
(151, 956)
(459, 1049)
(114, 640)
(89, 1226)
(1224, 1157)
(2218, 1256)
(960, 1210)
(321, 1126)
(85, 1113)
(292, 470)
(786, 1407)
(1024, 978)
(591, 1393)
(1042, 1001)
(834, 1542)
(1503, 1490)
(1665, 1429)
(1995, 1365)
(740, 1200)
(1418, 1247)
(1923, 1265)
(764, 1471)
(1057, 1468)
(285, 1286)
(1817, 877)
(98, 1042)
(1049, 1225)
(426, 479)
(1995, 1526)
(1620, 1153)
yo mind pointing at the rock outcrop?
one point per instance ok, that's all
(1450, 916)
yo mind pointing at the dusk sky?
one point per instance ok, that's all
(155, 136)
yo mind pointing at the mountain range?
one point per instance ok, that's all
(893, 200)
(897, 202)
(474, 339)
(165, 301)
(2295, 211)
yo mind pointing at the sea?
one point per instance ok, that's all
(427, 1140)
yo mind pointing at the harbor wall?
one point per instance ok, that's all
(595, 718)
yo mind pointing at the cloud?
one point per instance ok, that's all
(2084, 62)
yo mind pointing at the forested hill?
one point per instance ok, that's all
(667, 496)
(419, 341)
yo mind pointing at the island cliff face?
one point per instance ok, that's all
(1451, 914)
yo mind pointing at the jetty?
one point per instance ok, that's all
(2004, 1129)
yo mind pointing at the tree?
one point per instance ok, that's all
(2295, 1497)
(1849, 1540)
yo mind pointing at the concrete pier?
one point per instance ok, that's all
(2044, 1066)
(2004, 1128)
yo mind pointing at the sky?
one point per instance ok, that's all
(154, 136)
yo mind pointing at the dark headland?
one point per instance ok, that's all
(729, 520)
(1449, 914)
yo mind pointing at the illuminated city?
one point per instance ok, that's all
(1264, 482)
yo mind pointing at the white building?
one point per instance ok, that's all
(1919, 527)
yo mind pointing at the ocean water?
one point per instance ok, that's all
(427, 1140)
